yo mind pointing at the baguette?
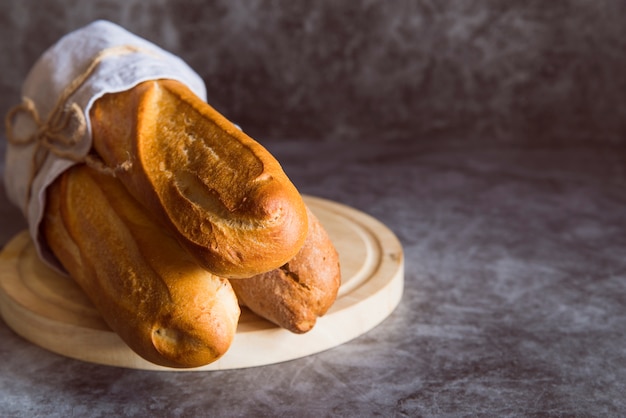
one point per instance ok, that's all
(224, 196)
(150, 291)
(296, 294)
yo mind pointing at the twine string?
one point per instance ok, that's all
(66, 124)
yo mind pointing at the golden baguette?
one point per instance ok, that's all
(225, 196)
(296, 294)
(150, 291)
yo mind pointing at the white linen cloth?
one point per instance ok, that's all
(48, 80)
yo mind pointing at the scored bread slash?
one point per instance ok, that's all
(226, 197)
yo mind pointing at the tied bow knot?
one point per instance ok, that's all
(66, 125)
(63, 130)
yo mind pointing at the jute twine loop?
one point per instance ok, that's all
(66, 124)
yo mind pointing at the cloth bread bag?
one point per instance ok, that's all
(50, 130)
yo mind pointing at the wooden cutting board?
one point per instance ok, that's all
(49, 310)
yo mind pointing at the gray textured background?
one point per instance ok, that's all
(492, 141)
(518, 71)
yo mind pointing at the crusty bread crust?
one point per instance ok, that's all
(226, 198)
(296, 294)
(150, 291)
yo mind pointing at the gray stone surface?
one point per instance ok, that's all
(489, 136)
(514, 302)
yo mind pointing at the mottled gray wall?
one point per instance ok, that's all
(519, 71)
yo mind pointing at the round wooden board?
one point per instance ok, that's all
(49, 310)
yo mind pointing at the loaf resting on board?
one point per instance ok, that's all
(186, 219)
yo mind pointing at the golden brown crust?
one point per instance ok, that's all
(296, 294)
(149, 290)
(226, 198)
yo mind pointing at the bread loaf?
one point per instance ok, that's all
(296, 294)
(226, 198)
(150, 291)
